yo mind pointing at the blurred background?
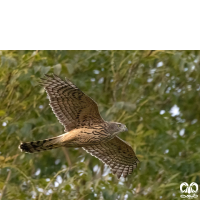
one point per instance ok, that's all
(155, 93)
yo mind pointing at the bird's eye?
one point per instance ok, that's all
(119, 125)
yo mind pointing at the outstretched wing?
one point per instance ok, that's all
(70, 105)
(117, 154)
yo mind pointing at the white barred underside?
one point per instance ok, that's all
(117, 154)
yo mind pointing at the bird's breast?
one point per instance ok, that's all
(88, 136)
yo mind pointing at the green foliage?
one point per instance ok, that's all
(155, 93)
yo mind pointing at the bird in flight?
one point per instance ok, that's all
(84, 128)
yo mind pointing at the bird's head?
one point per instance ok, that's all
(116, 127)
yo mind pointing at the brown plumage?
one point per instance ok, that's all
(84, 127)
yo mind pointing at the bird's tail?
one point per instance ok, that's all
(41, 145)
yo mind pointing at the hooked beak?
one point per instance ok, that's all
(126, 129)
